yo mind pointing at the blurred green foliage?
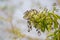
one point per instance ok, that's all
(44, 20)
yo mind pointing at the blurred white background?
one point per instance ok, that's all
(15, 9)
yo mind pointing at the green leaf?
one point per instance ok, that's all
(42, 29)
(51, 34)
(58, 16)
(55, 23)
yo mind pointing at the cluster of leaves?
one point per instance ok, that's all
(55, 35)
(42, 20)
